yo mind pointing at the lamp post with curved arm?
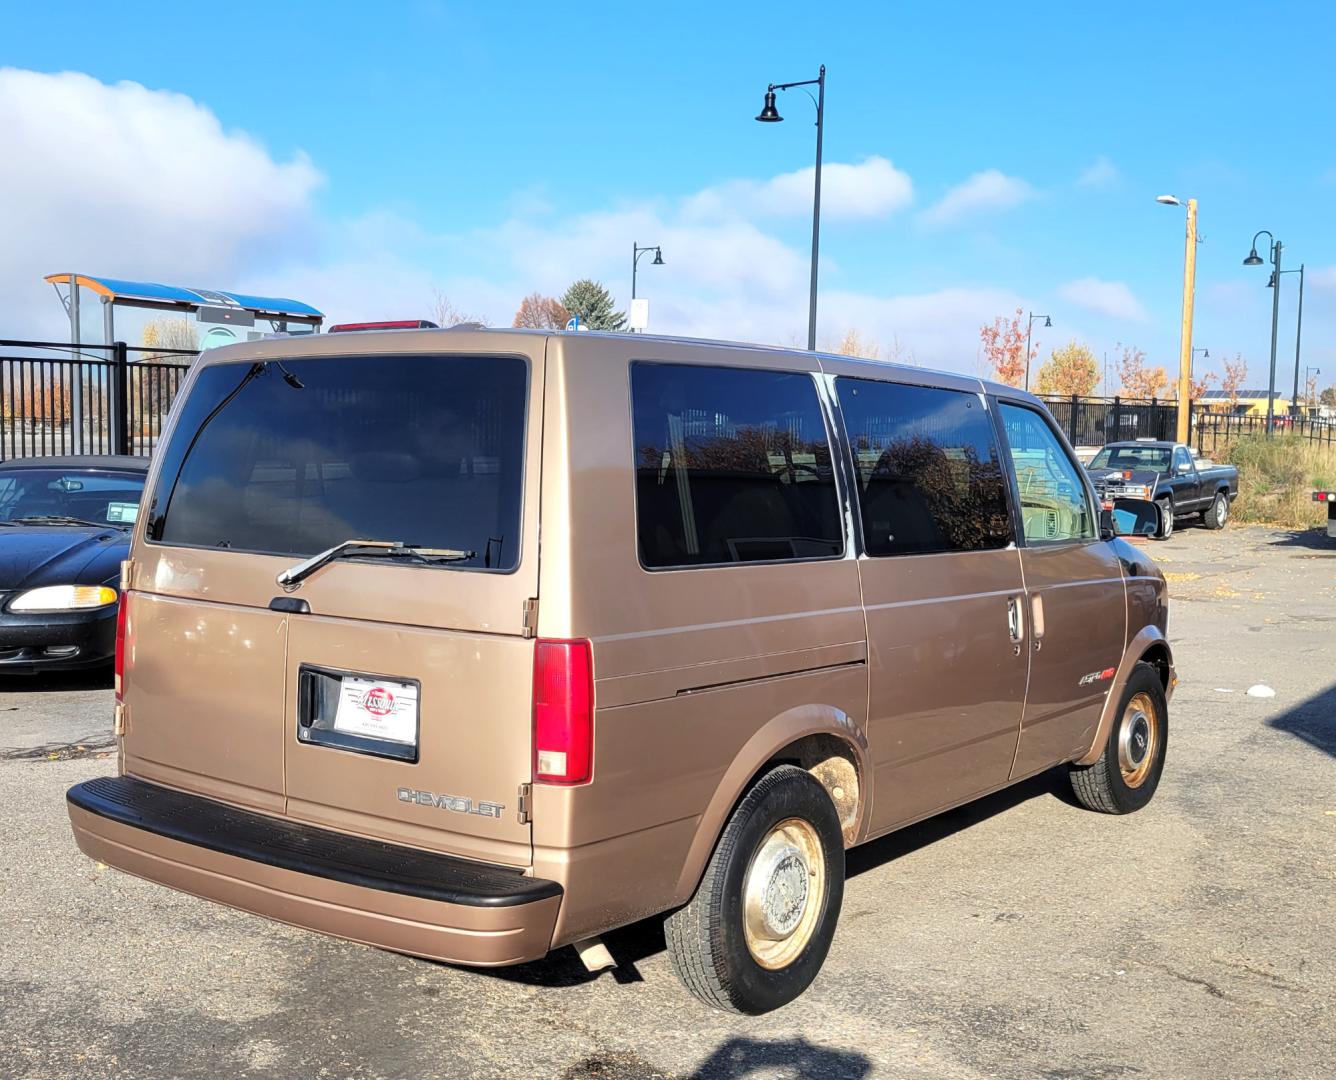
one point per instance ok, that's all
(636, 251)
(1254, 259)
(1047, 322)
(770, 115)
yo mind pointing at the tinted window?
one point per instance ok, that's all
(296, 457)
(731, 466)
(1054, 505)
(103, 498)
(930, 475)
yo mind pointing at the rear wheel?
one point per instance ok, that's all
(1167, 510)
(1218, 512)
(1129, 767)
(758, 929)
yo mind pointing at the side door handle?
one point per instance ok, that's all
(1037, 621)
(1015, 623)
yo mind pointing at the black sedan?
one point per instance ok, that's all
(64, 530)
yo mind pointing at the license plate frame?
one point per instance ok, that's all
(324, 696)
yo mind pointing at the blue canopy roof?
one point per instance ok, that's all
(152, 294)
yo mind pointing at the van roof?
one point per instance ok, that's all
(382, 340)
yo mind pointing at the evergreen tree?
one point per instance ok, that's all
(593, 303)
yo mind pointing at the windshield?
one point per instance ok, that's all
(1142, 458)
(295, 457)
(94, 496)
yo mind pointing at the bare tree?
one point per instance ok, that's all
(444, 313)
(852, 343)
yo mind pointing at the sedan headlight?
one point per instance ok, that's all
(64, 598)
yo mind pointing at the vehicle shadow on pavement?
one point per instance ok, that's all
(641, 940)
(736, 1059)
(99, 678)
(1313, 721)
(1315, 539)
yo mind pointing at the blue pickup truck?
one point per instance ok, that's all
(1167, 473)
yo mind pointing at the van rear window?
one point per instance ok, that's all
(293, 457)
(732, 466)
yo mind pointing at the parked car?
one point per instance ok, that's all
(1168, 474)
(786, 603)
(64, 530)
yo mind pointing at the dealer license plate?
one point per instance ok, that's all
(377, 709)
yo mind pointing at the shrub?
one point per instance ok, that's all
(1277, 478)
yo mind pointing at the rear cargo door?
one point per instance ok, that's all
(392, 694)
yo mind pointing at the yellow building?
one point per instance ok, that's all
(1245, 402)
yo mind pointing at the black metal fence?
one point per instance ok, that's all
(1214, 430)
(1091, 421)
(96, 399)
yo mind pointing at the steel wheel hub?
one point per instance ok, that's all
(782, 893)
(1138, 739)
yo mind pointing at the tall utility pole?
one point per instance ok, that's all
(1185, 340)
(1276, 249)
(1298, 337)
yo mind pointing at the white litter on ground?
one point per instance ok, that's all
(1223, 690)
(1261, 690)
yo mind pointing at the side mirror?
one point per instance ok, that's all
(1132, 517)
(1185, 467)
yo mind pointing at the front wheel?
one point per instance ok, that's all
(758, 929)
(1167, 510)
(1218, 512)
(1129, 767)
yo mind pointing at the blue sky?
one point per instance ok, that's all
(996, 156)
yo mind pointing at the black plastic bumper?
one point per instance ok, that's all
(27, 641)
(305, 849)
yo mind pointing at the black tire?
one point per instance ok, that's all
(708, 939)
(1167, 509)
(1105, 786)
(1215, 516)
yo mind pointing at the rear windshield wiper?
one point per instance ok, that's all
(56, 519)
(368, 549)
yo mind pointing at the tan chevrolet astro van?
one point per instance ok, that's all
(476, 644)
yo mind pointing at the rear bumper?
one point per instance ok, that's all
(397, 898)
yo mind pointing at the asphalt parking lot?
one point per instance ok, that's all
(1020, 936)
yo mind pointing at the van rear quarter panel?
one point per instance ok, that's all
(700, 674)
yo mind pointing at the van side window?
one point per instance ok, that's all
(1054, 503)
(930, 474)
(732, 465)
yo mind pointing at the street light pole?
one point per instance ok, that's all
(770, 115)
(1028, 328)
(1254, 260)
(636, 252)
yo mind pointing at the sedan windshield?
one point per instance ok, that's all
(52, 496)
(1142, 458)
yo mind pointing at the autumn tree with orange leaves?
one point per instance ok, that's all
(539, 312)
(1004, 349)
(1236, 373)
(1138, 380)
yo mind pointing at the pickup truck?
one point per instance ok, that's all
(1167, 473)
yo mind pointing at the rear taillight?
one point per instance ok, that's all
(122, 613)
(563, 712)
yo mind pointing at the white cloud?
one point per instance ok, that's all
(984, 191)
(873, 188)
(130, 182)
(1111, 298)
(1100, 173)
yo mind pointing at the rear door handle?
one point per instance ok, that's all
(1015, 623)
